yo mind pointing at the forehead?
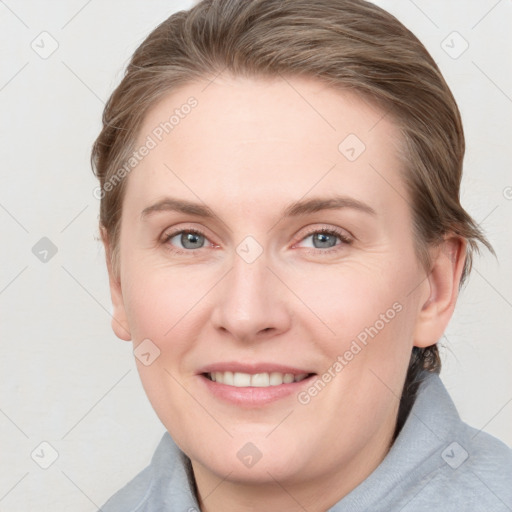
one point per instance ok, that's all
(238, 139)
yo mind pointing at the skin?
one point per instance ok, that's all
(248, 150)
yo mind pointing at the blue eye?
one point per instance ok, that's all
(187, 240)
(324, 239)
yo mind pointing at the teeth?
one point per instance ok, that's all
(275, 379)
(257, 380)
(260, 380)
(241, 380)
(288, 378)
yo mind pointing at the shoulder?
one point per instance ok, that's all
(165, 482)
(474, 469)
(479, 466)
(438, 462)
(133, 497)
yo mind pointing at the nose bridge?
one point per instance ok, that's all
(250, 303)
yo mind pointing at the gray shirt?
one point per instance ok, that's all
(436, 463)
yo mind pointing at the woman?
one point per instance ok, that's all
(279, 186)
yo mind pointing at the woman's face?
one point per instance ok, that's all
(268, 273)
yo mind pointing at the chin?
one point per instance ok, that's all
(259, 460)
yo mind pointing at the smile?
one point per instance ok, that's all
(253, 384)
(257, 380)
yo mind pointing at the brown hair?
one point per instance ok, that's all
(349, 44)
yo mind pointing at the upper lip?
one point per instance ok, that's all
(252, 368)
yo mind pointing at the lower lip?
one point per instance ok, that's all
(253, 396)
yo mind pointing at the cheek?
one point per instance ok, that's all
(160, 300)
(354, 296)
(375, 331)
(164, 308)
(366, 330)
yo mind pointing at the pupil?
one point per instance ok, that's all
(323, 240)
(192, 240)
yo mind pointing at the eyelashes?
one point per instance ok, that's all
(319, 240)
(325, 238)
(189, 239)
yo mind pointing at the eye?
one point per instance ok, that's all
(324, 239)
(187, 240)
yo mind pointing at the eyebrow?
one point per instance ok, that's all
(315, 205)
(178, 205)
(295, 209)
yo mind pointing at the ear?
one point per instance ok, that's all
(119, 318)
(443, 281)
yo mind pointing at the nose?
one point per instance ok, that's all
(251, 302)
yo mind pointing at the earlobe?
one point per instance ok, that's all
(119, 319)
(448, 260)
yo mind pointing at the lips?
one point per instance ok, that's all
(253, 384)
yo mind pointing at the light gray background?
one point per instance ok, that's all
(65, 379)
